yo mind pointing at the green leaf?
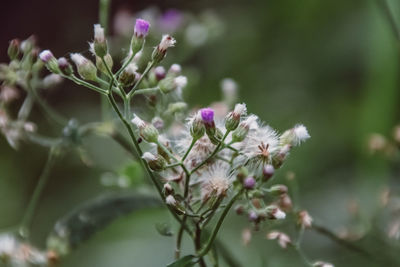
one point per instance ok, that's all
(84, 221)
(187, 261)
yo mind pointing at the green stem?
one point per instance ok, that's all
(179, 238)
(148, 68)
(86, 84)
(210, 241)
(49, 111)
(113, 80)
(125, 65)
(27, 219)
(26, 107)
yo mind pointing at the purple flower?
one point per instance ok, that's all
(170, 20)
(249, 182)
(46, 56)
(207, 115)
(253, 216)
(268, 171)
(141, 28)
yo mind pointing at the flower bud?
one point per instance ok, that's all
(277, 190)
(253, 217)
(100, 64)
(197, 129)
(304, 219)
(295, 136)
(282, 238)
(243, 172)
(268, 172)
(168, 190)
(100, 42)
(156, 163)
(239, 209)
(147, 131)
(169, 84)
(158, 123)
(170, 200)
(176, 107)
(141, 30)
(207, 115)
(51, 62)
(86, 68)
(175, 70)
(159, 73)
(240, 133)
(128, 76)
(28, 44)
(274, 213)
(249, 182)
(52, 80)
(64, 66)
(13, 49)
(161, 50)
(233, 118)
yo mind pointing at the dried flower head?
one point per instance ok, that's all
(215, 181)
(304, 219)
(282, 238)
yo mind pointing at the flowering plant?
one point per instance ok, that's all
(200, 161)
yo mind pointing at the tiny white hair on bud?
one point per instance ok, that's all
(170, 200)
(279, 215)
(166, 42)
(251, 121)
(138, 121)
(99, 33)
(131, 68)
(147, 156)
(51, 80)
(91, 48)
(240, 109)
(301, 133)
(180, 81)
(78, 59)
(45, 55)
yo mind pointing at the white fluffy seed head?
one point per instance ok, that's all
(138, 121)
(279, 215)
(250, 122)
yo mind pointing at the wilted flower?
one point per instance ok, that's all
(304, 219)
(170, 200)
(215, 181)
(282, 238)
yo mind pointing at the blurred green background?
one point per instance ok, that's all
(331, 65)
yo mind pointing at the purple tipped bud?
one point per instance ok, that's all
(253, 216)
(268, 171)
(239, 209)
(46, 56)
(249, 182)
(141, 28)
(207, 115)
(64, 66)
(159, 73)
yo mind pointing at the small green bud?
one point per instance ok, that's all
(155, 162)
(64, 66)
(147, 131)
(197, 128)
(51, 62)
(176, 107)
(233, 118)
(277, 190)
(240, 133)
(100, 64)
(100, 42)
(86, 68)
(128, 75)
(13, 49)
